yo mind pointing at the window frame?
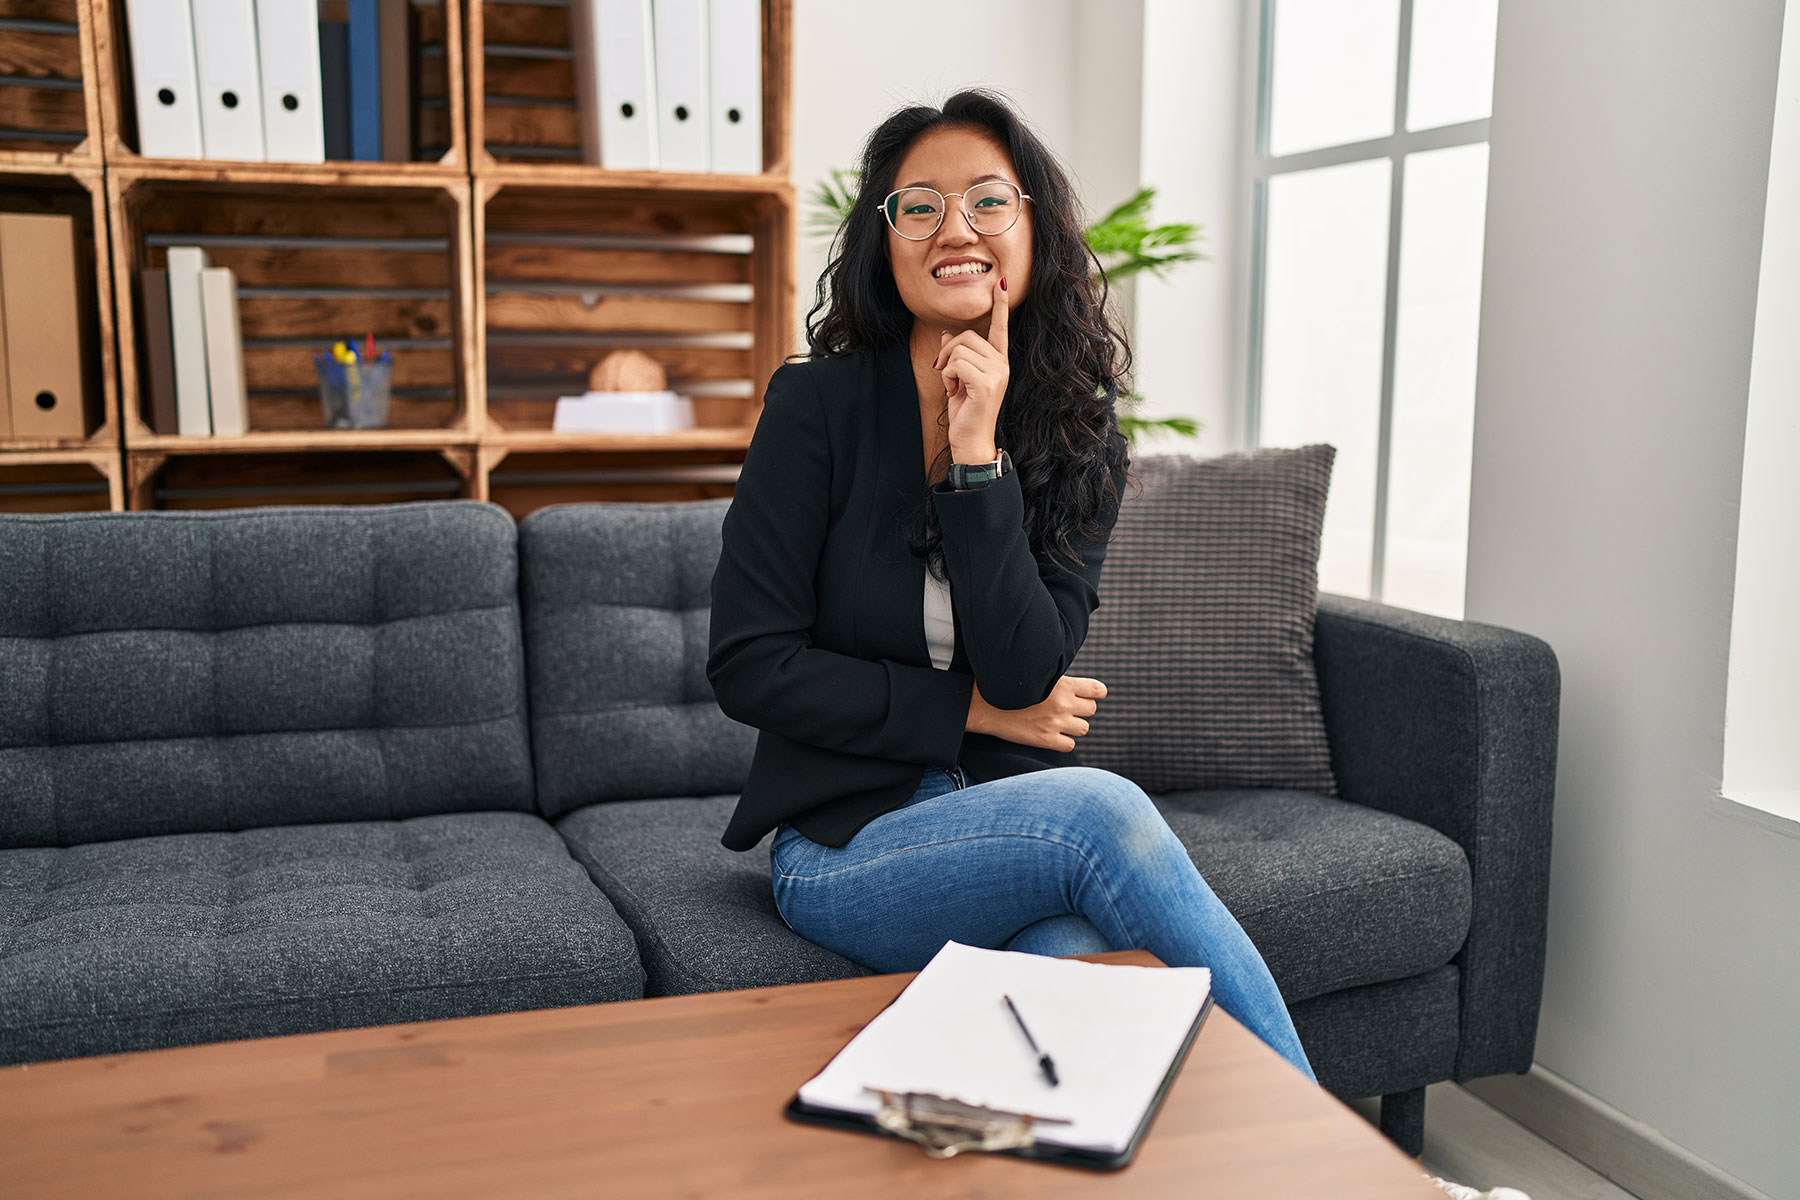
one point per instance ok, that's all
(1257, 167)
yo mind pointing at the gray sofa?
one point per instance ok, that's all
(269, 771)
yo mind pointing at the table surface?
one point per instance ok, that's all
(676, 1096)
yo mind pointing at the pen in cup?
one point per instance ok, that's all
(1043, 1059)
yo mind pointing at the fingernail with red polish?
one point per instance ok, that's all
(1003, 283)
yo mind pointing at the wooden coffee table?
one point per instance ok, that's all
(680, 1096)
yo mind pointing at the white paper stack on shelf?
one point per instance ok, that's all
(1114, 1032)
(623, 412)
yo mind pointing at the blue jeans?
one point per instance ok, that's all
(1067, 860)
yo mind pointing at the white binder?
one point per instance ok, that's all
(163, 78)
(682, 109)
(187, 330)
(615, 82)
(224, 352)
(287, 37)
(231, 123)
(735, 39)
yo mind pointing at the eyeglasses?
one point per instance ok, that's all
(916, 212)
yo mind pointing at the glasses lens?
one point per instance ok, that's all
(915, 212)
(993, 207)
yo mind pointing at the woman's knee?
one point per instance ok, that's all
(1059, 937)
(1108, 804)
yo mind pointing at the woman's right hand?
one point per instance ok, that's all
(1053, 723)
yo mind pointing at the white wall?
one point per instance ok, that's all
(1630, 156)
(1073, 69)
(1190, 337)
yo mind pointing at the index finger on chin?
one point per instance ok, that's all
(997, 321)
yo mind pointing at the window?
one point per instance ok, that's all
(1762, 692)
(1369, 185)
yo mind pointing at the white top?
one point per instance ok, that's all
(940, 626)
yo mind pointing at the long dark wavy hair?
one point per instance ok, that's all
(1069, 358)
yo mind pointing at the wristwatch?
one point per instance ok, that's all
(964, 476)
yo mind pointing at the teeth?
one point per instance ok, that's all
(963, 269)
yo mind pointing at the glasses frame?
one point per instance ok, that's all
(944, 208)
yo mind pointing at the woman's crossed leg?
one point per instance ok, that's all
(1066, 860)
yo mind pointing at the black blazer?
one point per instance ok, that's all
(818, 627)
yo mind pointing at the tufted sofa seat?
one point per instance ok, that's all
(269, 771)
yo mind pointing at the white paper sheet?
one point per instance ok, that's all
(1112, 1032)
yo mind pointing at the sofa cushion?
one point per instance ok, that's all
(173, 672)
(1334, 895)
(704, 916)
(1204, 634)
(617, 601)
(205, 937)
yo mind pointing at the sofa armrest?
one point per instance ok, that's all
(1454, 724)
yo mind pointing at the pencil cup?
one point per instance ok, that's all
(354, 395)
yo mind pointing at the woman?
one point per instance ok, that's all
(908, 568)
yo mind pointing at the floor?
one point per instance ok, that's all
(1469, 1141)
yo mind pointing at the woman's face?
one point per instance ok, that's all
(953, 161)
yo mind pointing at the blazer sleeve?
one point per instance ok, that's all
(761, 662)
(1021, 619)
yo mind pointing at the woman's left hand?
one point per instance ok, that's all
(976, 372)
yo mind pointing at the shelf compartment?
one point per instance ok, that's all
(439, 120)
(79, 193)
(700, 281)
(524, 481)
(314, 265)
(52, 481)
(524, 121)
(49, 102)
(169, 480)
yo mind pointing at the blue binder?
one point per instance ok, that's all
(365, 81)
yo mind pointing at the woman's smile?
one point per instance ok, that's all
(962, 275)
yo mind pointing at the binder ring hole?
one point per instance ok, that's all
(46, 400)
(681, 112)
(165, 97)
(290, 102)
(733, 115)
(228, 99)
(626, 110)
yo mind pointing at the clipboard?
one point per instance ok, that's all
(944, 1126)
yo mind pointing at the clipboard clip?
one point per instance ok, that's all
(944, 1125)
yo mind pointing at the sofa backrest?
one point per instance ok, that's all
(172, 672)
(617, 601)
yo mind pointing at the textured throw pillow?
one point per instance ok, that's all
(1204, 634)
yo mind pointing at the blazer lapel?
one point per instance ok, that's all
(893, 581)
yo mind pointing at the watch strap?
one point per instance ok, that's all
(965, 476)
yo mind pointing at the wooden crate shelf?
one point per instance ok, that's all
(524, 481)
(79, 193)
(49, 101)
(315, 264)
(61, 481)
(699, 281)
(441, 124)
(524, 123)
(498, 266)
(173, 479)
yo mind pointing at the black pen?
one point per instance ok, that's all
(1043, 1059)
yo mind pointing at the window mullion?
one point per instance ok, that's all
(1390, 320)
